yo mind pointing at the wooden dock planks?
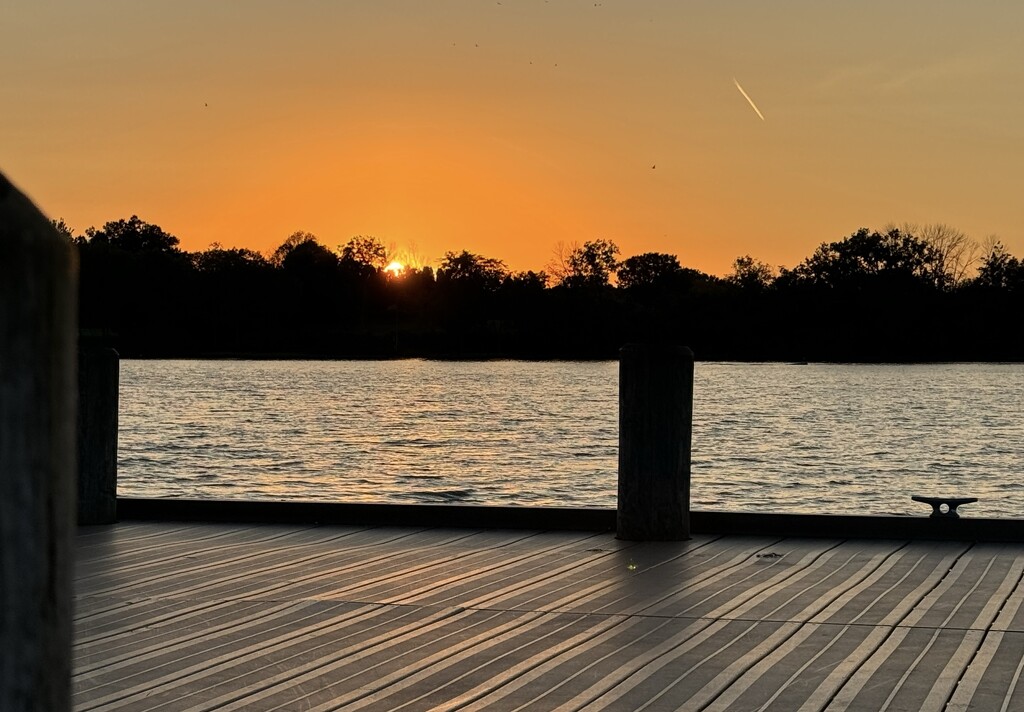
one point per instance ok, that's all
(264, 617)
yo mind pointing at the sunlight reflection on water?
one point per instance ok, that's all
(767, 437)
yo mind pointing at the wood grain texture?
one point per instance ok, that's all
(37, 424)
(272, 617)
(655, 425)
(97, 432)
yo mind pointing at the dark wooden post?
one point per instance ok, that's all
(97, 431)
(38, 297)
(655, 423)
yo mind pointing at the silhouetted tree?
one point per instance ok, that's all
(364, 251)
(132, 235)
(135, 282)
(956, 254)
(416, 279)
(237, 297)
(891, 295)
(649, 269)
(311, 304)
(217, 260)
(466, 268)
(749, 273)
(297, 238)
(64, 230)
(592, 265)
(871, 296)
(529, 280)
(868, 258)
(1000, 270)
(310, 259)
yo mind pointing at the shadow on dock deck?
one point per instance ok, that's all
(228, 616)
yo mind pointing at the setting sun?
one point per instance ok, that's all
(395, 268)
(506, 128)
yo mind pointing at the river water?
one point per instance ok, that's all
(767, 437)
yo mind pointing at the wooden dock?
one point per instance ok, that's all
(180, 616)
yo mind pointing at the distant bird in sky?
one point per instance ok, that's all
(747, 97)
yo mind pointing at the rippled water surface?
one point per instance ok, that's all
(767, 437)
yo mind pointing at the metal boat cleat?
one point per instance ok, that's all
(944, 506)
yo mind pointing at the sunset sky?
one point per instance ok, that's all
(506, 127)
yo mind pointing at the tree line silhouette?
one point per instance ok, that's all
(900, 294)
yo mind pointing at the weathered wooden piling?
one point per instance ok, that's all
(655, 425)
(97, 431)
(38, 296)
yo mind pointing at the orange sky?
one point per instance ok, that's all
(507, 127)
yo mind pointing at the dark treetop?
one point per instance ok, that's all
(896, 295)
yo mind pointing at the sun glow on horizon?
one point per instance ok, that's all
(505, 129)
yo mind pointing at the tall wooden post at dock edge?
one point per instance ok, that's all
(655, 425)
(97, 431)
(38, 298)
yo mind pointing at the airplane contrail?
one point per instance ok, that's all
(747, 97)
